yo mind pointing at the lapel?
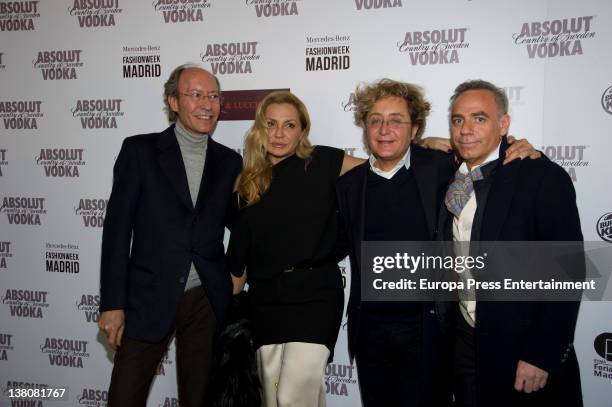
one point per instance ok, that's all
(426, 176)
(171, 162)
(499, 200)
(356, 206)
(444, 230)
(209, 175)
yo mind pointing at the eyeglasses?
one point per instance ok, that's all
(376, 122)
(196, 95)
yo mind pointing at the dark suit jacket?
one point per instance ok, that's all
(528, 200)
(151, 207)
(432, 170)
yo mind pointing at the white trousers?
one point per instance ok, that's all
(292, 374)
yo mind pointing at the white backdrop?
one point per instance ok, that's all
(79, 76)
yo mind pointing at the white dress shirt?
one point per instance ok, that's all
(462, 232)
(404, 162)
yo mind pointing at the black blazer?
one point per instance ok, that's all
(152, 232)
(528, 200)
(432, 170)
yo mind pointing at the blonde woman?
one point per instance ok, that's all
(285, 237)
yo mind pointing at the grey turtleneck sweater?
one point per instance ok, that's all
(193, 149)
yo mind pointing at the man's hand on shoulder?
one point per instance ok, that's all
(435, 143)
(112, 324)
(520, 149)
(517, 148)
(529, 377)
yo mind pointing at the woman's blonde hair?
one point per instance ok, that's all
(256, 174)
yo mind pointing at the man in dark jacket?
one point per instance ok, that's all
(508, 353)
(402, 349)
(163, 263)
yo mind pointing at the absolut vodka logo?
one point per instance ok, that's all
(92, 211)
(98, 113)
(59, 65)
(25, 303)
(5, 254)
(182, 11)
(92, 397)
(18, 15)
(339, 378)
(61, 162)
(65, 352)
(89, 304)
(21, 210)
(6, 346)
(432, 47)
(274, 8)
(555, 38)
(95, 13)
(231, 57)
(571, 157)
(377, 4)
(21, 114)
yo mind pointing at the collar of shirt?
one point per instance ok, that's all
(492, 157)
(405, 161)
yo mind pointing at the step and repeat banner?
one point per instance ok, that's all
(78, 76)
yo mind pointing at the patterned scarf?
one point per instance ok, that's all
(460, 189)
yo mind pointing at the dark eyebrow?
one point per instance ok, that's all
(481, 113)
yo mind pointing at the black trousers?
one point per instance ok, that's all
(562, 388)
(136, 362)
(388, 361)
(464, 365)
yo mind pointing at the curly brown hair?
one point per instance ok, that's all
(367, 95)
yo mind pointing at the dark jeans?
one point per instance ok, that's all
(388, 361)
(136, 362)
